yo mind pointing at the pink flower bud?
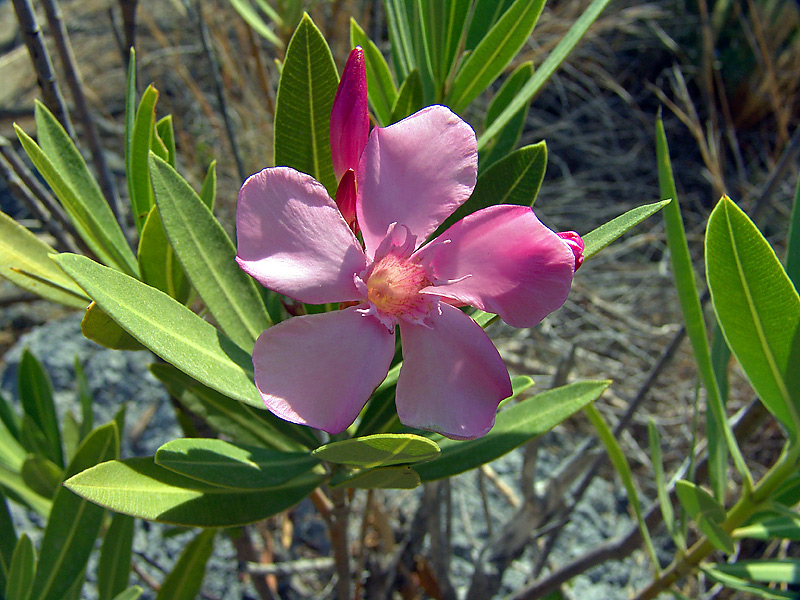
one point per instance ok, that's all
(346, 198)
(349, 115)
(575, 243)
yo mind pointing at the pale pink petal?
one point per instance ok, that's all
(452, 378)
(292, 238)
(346, 198)
(415, 173)
(320, 370)
(349, 115)
(502, 260)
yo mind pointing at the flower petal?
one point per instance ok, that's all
(452, 378)
(320, 370)
(415, 173)
(349, 115)
(502, 260)
(292, 238)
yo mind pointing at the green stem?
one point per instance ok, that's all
(749, 503)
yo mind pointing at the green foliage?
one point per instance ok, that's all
(494, 52)
(601, 237)
(141, 488)
(507, 138)
(36, 395)
(114, 566)
(513, 427)
(758, 309)
(63, 167)
(381, 89)
(207, 255)
(707, 512)
(303, 110)
(168, 328)
(21, 570)
(97, 326)
(380, 450)
(184, 582)
(232, 465)
(25, 262)
(398, 478)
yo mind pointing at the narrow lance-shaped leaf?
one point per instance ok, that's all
(403, 55)
(97, 326)
(186, 577)
(683, 274)
(114, 566)
(504, 142)
(158, 264)
(601, 237)
(233, 465)
(793, 241)
(485, 13)
(207, 255)
(758, 309)
(254, 20)
(8, 540)
(623, 469)
(74, 523)
(168, 328)
(380, 450)
(141, 488)
(409, 98)
(21, 569)
(36, 395)
(25, 262)
(166, 134)
(513, 427)
(41, 475)
(62, 166)
(545, 70)
(303, 106)
(208, 191)
(141, 191)
(491, 56)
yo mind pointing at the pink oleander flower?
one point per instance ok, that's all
(321, 369)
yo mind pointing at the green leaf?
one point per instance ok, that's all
(130, 119)
(70, 434)
(513, 427)
(132, 593)
(402, 42)
(303, 106)
(252, 18)
(715, 433)
(242, 423)
(168, 328)
(208, 191)
(158, 265)
(507, 138)
(515, 179)
(25, 262)
(758, 309)
(398, 478)
(664, 501)
(485, 13)
(623, 468)
(140, 488)
(8, 540)
(771, 528)
(186, 577)
(41, 475)
(20, 574)
(723, 576)
(12, 453)
(141, 191)
(706, 511)
(11, 485)
(74, 523)
(85, 399)
(9, 419)
(443, 24)
(166, 133)
(97, 326)
(545, 70)
(601, 237)
(381, 89)
(208, 257)
(114, 565)
(63, 167)
(494, 52)
(232, 465)
(36, 396)
(380, 450)
(683, 273)
(409, 98)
